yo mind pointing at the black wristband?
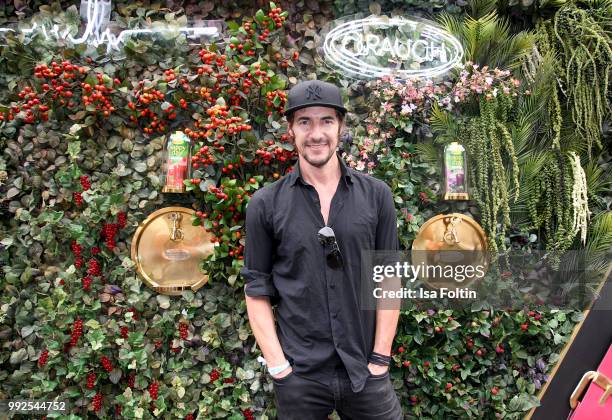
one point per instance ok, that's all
(379, 359)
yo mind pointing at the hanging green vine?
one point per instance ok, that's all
(487, 139)
(583, 47)
(551, 204)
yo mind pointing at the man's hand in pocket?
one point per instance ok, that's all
(283, 373)
(377, 369)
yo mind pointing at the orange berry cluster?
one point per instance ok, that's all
(99, 95)
(151, 108)
(276, 100)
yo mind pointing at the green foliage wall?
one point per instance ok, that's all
(111, 346)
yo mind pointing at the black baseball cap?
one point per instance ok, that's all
(314, 93)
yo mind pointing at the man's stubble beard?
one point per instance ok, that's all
(320, 163)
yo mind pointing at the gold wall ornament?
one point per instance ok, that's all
(455, 172)
(167, 250)
(450, 240)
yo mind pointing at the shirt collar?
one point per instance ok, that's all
(296, 176)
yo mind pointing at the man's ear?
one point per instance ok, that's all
(290, 134)
(342, 129)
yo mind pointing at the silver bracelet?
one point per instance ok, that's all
(278, 369)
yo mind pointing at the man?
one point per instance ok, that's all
(304, 238)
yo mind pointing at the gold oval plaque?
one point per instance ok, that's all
(167, 250)
(450, 240)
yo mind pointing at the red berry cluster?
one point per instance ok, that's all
(278, 153)
(58, 83)
(31, 103)
(95, 251)
(158, 344)
(60, 86)
(203, 155)
(232, 166)
(183, 330)
(122, 220)
(87, 281)
(131, 379)
(153, 390)
(42, 359)
(273, 20)
(77, 197)
(277, 16)
(118, 410)
(247, 413)
(134, 314)
(470, 343)
(108, 232)
(424, 198)
(85, 182)
(97, 402)
(214, 375)
(189, 416)
(228, 381)
(267, 154)
(94, 268)
(124, 332)
(77, 332)
(91, 380)
(233, 208)
(76, 251)
(534, 315)
(106, 364)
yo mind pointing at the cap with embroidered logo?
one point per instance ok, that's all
(314, 93)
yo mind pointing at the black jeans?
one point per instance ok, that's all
(299, 398)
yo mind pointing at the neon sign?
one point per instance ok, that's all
(378, 46)
(96, 13)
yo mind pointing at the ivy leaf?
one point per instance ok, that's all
(135, 338)
(12, 192)
(27, 330)
(306, 58)
(18, 356)
(523, 402)
(115, 375)
(163, 301)
(92, 324)
(96, 339)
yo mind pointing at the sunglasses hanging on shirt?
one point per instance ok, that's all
(327, 238)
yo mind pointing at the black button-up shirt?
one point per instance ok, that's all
(320, 323)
